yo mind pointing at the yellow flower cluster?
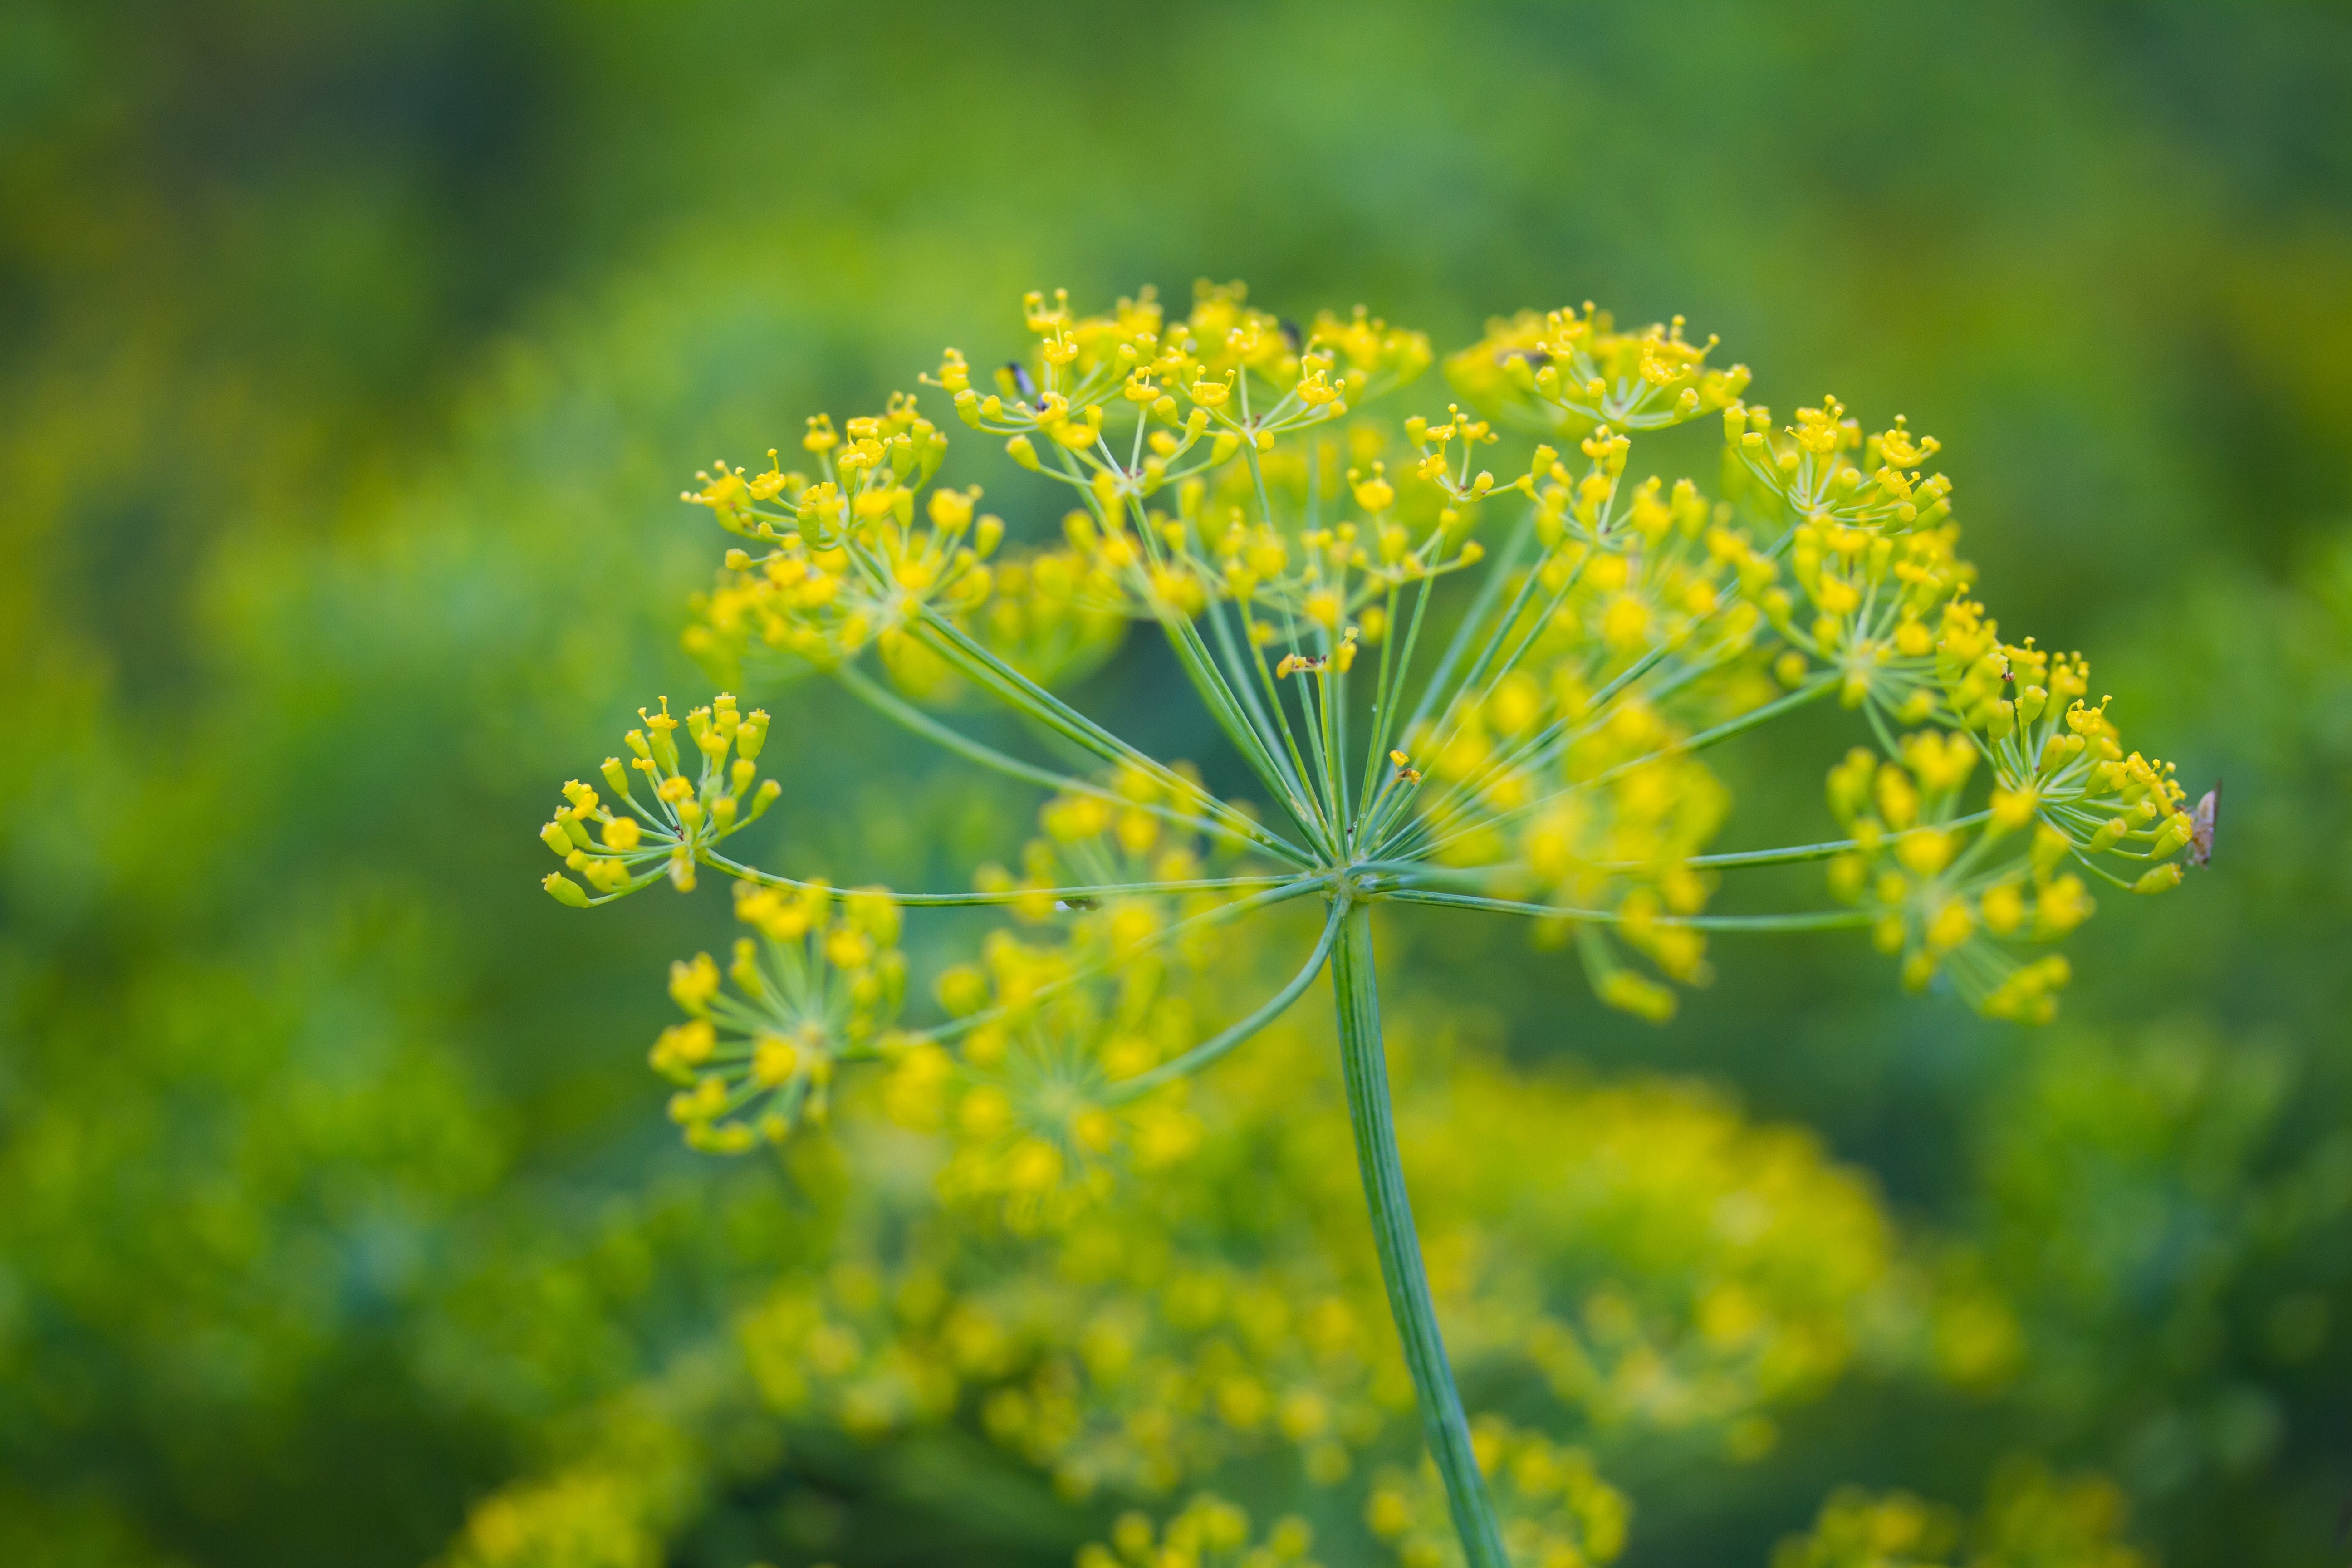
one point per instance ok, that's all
(1113, 1362)
(1637, 634)
(1946, 889)
(684, 816)
(1558, 766)
(1027, 1076)
(1134, 1350)
(1566, 371)
(2061, 758)
(1207, 1532)
(1857, 1529)
(1412, 517)
(1227, 381)
(1027, 1096)
(849, 568)
(1751, 1249)
(609, 1507)
(1123, 1346)
(1231, 487)
(1192, 380)
(1555, 1511)
(815, 986)
(2029, 1518)
(1808, 468)
(1879, 603)
(1051, 615)
(1151, 1399)
(845, 560)
(1273, 539)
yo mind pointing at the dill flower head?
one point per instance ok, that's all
(1469, 651)
(1449, 687)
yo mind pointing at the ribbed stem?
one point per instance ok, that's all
(1366, 1069)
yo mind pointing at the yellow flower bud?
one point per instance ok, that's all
(962, 989)
(693, 985)
(565, 891)
(1924, 850)
(773, 1062)
(1953, 925)
(1630, 992)
(2013, 808)
(950, 511)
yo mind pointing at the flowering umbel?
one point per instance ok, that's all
(1452, 688)
(685, 817)
(813, 987)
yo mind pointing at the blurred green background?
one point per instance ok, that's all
(350, 356)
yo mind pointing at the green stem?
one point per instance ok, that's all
(1366, 1069)
(950, 641)
(874, 695)
(752, 874)
(1206, 920)
(1821, 920)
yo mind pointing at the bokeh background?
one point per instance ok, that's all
(350, 356)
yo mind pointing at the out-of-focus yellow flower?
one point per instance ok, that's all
(1554, 1507)
(815, 986)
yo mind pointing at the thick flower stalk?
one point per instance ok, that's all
(1447, 689)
